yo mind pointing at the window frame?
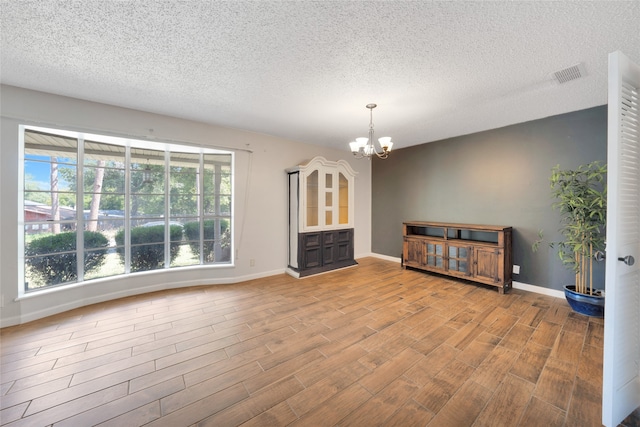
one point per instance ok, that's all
(168, 150)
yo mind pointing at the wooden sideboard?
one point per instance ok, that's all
(480, 253)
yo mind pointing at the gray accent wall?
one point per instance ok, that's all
(496, 177)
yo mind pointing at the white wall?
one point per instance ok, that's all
(260, 198)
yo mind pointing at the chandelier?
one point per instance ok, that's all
(364, 147)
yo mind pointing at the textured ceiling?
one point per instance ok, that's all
(304, 70)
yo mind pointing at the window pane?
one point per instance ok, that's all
(188, 242)
(147, 245)
(184, 204)
(117, 174)
(109, 205)
(217, 251)
(104, 180)
(219, 205)
(147, 171)
(150, 205)
(51, 258)
(51, 206)
(217, 241)
(110, 155)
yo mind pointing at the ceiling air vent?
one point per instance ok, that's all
(571, 73)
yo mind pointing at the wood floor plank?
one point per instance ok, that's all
(202, 408)
(319, 370)
(330, 412)
(374, 344)
(288, 367)
(433, 339)
(32, 358)
(463, 408)
(429, 366)
(74, 369)
(556, 383)
(517, 337)
(204, 389)
(381, 406)
(73, 407)
(576, 323)
(161, 375)
(256, 404)
(568, 347)
(215, 368)
(478, 350)
(324, 389)
(494, 367)
(557, 313)
(28, 394)
(435, 394)
(279, 415)
(426, 327)
(118, 365)
(533, 316)
(193, 352)
(387, 372)
(90, 353)
(540, 413)
(546, 333)
(13, 413)
(595, 334)
(65, 395)
(502, 325)
(586, 405)
(530, 362)
(137, 417)
(411, 414)
(507, 405)
(590, 365)
(124, 404)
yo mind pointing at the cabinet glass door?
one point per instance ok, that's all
(328, 199)
(435, 255)
(312, 199)
(459, 259)
(343, 199)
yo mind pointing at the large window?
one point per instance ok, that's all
(97, 206)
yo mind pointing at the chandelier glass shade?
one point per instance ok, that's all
(364, 146)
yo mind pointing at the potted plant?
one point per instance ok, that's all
(581, 199)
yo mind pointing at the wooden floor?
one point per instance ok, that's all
(369, 345)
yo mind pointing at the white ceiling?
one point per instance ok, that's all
(304, 70)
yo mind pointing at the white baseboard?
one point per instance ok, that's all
(384, 257)
(538, 289)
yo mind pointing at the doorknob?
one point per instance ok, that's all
(629, 260)
(599, 256)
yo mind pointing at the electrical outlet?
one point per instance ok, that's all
(252, 263)
(516, 269)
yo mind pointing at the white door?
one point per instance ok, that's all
(621, 376)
